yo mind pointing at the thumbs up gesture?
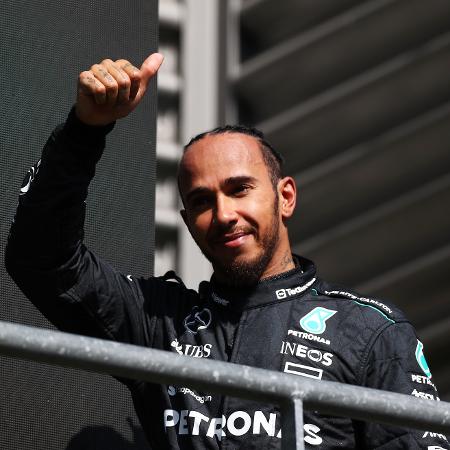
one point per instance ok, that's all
(112, 89)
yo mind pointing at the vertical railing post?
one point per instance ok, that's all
(292, 425)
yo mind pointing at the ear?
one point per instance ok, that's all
(287, 193)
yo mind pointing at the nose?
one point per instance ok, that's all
(225, 212)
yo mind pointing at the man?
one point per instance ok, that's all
(263, 307)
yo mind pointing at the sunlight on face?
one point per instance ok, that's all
(231, 208)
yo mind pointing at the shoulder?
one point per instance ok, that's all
(344, 317)
(166, 292)
(376, 329)
(360, 309)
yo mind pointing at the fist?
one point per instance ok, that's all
(112, 89)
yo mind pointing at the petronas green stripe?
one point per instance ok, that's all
(375, 309)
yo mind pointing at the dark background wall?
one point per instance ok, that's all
(44, 45)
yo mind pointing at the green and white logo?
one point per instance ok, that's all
(421, 359)
(314, 321)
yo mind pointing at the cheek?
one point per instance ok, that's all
(199, 224)
(259, 211)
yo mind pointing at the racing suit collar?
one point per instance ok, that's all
(282, 287)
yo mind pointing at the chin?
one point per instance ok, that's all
(239, 256)
(243, 270)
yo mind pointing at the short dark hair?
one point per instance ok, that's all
(272, 158)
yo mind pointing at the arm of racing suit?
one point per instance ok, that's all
(396, 363)
(45, 254)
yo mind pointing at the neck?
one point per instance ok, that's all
(279, 265)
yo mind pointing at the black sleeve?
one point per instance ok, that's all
(397, 363)
(45, 254)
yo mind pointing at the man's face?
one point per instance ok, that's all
(231, 208)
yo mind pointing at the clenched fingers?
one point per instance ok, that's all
(111, 82)
(121, 78)
(134, 75)
(89, 85)
(104, 76)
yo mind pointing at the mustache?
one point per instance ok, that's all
(222, 231)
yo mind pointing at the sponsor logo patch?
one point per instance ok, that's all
(238, 423)
(303, 371)
(289, 292)
(434, 435)
(420, 357)
(302, 351)
(315, 321)
(172, 390)
(424, 395)
(220, 301)
(308, 336)
(29, 177)
(196, 351)
(197, 320)
(369, 301)
(421, 379)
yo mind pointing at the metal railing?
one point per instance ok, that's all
(290, 392)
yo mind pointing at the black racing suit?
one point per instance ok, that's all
(293, 322)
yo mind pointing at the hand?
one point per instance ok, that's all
(112, 89)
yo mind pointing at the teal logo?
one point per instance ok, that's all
(314, 321)
(421, 359)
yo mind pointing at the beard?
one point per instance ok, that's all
(248, 272)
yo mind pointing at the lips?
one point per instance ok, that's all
(233, 240)
(236, 240)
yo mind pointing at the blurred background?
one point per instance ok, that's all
(356, 96)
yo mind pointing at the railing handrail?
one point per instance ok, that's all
(157, 366)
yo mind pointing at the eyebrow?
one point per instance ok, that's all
(227, 182)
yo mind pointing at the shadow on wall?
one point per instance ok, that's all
(107, 438)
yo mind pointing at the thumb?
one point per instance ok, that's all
(150, 67)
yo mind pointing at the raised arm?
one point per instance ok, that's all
(45, 254)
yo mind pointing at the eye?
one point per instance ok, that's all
(241, 189)
(199, 202)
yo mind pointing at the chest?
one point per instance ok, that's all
(298, 338)
(304, 338)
